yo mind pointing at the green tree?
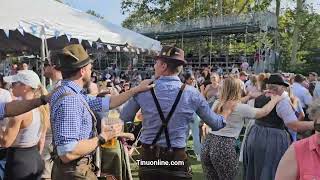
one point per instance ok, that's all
(93, 13)
(297, 36)
(296, 32)
(170, 11)
(306, 41)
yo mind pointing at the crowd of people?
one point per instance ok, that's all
(59, 140)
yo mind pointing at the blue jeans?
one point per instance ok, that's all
(196, 134)
(2, 167)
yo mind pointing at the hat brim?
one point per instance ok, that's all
(74, 66)
(279, 83)
(11, 79)
(170, 58)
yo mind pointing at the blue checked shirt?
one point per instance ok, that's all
(166, 90)
(71, 120)
(2, 110)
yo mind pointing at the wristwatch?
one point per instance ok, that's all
(43, 100)
(101, 140)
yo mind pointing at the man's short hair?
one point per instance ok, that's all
(173, 66)
(69, 74)
(313, 74)
(299, 78)
(243, 73)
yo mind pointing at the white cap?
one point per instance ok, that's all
(26, 77)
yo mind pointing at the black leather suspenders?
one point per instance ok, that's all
(166, 120)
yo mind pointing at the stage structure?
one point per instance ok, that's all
(224, 41)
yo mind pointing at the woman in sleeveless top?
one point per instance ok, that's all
(302, 159)
(212, 90)
(25, 133)
(218, 155)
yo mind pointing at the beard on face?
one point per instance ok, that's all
(86, 81)
(47, 73)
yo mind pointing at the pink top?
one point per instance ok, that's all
(308, 158)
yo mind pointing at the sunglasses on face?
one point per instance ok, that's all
(272, 86)
(16, 83)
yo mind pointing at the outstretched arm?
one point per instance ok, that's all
(16, 108)
(117, 100)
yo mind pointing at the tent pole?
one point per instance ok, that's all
(43, 79)
(210, 48)
(47, 56)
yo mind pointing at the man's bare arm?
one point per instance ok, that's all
(16, 108)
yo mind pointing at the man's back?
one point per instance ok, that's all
(302, 93)
(166, 91)
(316, 92)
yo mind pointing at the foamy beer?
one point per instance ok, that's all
(108, 122)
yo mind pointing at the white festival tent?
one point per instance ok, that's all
(36, 22)
(53, 19)
(50, 18)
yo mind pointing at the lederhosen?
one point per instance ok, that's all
(154, 152)
(82, 168)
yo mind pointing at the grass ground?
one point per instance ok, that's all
(196, 166)
(196, 169)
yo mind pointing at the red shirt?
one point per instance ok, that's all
(308, 158)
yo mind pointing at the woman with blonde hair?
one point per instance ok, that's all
(218, 154)
(25, 134)
(253, 87)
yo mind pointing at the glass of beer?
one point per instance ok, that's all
(112, 119)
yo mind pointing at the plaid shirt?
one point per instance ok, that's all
(71, 120)
(2, 110)
(166, 90)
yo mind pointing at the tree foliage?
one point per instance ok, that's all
(170, 11)
(93, 13)
(308, 38)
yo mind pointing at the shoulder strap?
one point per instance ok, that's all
(54, 154)
(166, 120)
(94, 119)
(94, 129)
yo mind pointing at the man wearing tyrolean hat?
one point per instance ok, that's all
(72, 119)
(167, 110)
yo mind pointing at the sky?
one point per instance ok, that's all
(292, 4)
(111, 9)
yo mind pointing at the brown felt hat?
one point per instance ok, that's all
(172, 53)
(73, 57)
